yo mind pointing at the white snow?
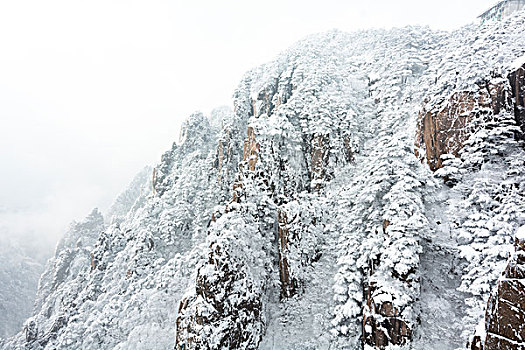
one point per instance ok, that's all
(518, 63)
(364, 213)
(520, 234)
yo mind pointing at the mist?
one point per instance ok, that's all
(90, 92)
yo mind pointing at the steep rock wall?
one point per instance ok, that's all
(505, 315)
(383, 323)
(443, 128)
(517, 83)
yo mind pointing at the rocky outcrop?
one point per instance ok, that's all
(517, 83)
(383, 324)
(288, 283)
(444, 128)
(250, 150)
(265, 103)
(312, 236)
(223, 152)
(505, 316)
(214, 316)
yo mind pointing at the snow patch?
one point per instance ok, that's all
(518, 63)
(520, 234)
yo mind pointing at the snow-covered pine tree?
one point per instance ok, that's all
(224, 307)
(488, 206)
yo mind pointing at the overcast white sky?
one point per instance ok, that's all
(91, 91)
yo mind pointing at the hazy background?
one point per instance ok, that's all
(91, 91)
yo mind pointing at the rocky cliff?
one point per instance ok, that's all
(448, 125)
(505, 316)
(305, 219)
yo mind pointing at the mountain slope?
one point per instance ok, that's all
(305, 219)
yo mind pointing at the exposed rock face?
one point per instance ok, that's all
(505, 317)
(288, 283)
(444, 131)
(319, 217)
(517, 83)
(251, 150)
(223, 152)
(477, 343)
(214, 315)
(444, 128)
(385, 331)
(210, 319)
(383, 324)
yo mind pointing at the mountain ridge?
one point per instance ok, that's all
(317, 176)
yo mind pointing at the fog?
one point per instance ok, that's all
(91, 91)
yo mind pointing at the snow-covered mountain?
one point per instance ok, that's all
(365, 192)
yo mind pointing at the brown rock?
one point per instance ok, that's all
(494, 342)
(397, 332)
(386, 223)
(92, 261)
(213, 306)
(505, 315)
(517, 83)
(477, 343)
(384, 309)
(288, 284)
(251, 150)
(382, 323)
(444, 128)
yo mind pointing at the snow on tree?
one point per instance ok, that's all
(302, 219)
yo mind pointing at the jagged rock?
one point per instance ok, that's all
(225, 309)
(288, 283)
(517, 83)
(323, 187)
(383, 324)
(250, 150)
(477, 343)
(444, 128)
(264, 104)
(505, 316)
(382, 332)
